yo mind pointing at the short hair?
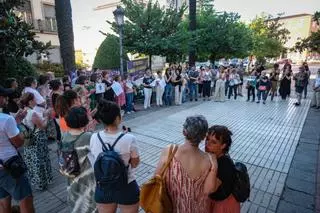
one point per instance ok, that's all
(195, 129)
(223, 134)
(26, 98)
(116, 78)
(28, 81)
(55, 84)
(77, 117)
(104, 73)
(65, 79)
(94, 77)
(276, 66)
(43, 79)
(81, 80)
(8, 82)
(107, 112)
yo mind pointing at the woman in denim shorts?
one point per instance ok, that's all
(128, 197)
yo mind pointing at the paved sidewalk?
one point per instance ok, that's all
(302, 187)
(265, 139)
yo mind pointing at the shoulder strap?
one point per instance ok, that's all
(104, 147)
(172, 151)
(116, 141)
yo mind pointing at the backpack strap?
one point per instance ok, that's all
(117, 140)
(110, 148)
(104, 147)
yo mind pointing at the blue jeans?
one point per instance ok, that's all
(129, 100)
(193, 91)
(168, 94)
(18, 189)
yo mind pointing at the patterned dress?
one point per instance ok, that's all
(81, 188)
(36, 156)
(186, 193)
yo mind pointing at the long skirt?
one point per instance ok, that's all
(36, 157)
(228, 205)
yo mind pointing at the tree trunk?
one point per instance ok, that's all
(150, 61)
(65, 33)
(192, 27)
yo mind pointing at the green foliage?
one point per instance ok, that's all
(18, 68)
(269, 37)
(16, 41)
(221, 35)
(108, 54)
(151, 30)
(316, 17)
(16, 36)
(57, 69)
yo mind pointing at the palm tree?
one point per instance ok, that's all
(192, 27)
(65, 32)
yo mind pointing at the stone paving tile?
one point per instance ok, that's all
(265, 139)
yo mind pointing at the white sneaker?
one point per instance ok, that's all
(128, 112)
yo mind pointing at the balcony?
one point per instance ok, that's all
(49, 25)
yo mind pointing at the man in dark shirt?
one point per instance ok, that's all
(109, 93)
(193, 83)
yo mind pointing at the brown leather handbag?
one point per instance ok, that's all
(154, 197)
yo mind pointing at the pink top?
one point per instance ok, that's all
(121, 99)
(186, 193)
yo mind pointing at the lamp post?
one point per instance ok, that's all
(119, 17)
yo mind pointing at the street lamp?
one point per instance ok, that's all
(119, 17)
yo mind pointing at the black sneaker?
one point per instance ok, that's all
(191, 100)
(196, 100)
(297, 104)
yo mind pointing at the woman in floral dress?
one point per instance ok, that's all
(36, 154)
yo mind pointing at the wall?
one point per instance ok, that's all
(299, 27)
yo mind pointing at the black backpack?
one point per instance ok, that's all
(241, 190)
(109, 169)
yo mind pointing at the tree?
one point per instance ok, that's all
(108, 55)
(221, 35)
(17, 40)
(269, 37)
(151, 30)
(65, 33)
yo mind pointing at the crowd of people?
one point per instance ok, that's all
(67, 111)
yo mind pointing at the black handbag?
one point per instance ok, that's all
(15, 166)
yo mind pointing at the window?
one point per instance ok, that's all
(24, 12)
(50, 18)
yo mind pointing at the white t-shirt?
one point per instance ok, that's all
(8, 129)
(127, 148)
(37, 96)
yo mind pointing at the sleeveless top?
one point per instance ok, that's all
(186, 193)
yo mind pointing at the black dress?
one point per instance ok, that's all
(285, 87)
(109, 94)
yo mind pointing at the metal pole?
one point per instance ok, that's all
(192, 27)
(121, 49)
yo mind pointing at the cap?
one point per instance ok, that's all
(5, 92)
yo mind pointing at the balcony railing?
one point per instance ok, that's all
(47, 25)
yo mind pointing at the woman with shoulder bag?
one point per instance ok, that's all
(191, 174)
(36, 154)
(81, 186)
(218, 142)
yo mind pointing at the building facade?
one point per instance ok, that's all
(41, 14)
(300, 27)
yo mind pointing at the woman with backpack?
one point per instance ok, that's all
(81, 182)
(218, 142)
(114, 157)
